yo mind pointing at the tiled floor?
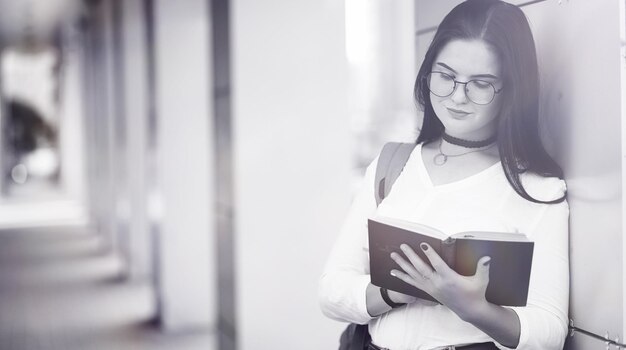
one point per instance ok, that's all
(60, 290)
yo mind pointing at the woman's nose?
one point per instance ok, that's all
(458, 95)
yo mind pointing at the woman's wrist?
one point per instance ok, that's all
(374, 301)
(400, 298)
(499, 322)
(384, 293)
(473, 311)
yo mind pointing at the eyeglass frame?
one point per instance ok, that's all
(495, 91)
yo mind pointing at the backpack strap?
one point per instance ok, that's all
(390, 164)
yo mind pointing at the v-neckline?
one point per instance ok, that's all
(466, 180)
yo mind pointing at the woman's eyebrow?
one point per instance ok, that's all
(486, 75)
(446, 67)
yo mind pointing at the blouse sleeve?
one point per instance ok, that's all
(343, 283)
(544, 319)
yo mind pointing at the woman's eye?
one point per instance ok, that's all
(481, 84)
(446, 77)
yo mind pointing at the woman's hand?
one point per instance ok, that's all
(465, 295)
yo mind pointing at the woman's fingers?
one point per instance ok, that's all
(419, 264)
(482, 269)
(405, 277)
(435, 260)
(406, 266)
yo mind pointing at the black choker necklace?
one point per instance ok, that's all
(467, 143)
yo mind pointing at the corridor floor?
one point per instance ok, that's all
(60, 291)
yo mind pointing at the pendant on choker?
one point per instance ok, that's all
(440, 159)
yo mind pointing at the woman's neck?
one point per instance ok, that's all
(490, 149)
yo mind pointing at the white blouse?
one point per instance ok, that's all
(484, 201)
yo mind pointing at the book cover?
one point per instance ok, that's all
(509, 272)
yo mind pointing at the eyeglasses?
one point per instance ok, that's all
(480, 92)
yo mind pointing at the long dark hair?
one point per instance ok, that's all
(505, 28)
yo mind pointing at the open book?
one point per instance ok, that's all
(511, 257)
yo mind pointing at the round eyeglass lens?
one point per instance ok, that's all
(440, 84)
(479, 91)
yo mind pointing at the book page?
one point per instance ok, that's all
(492, 236)
(411, 226)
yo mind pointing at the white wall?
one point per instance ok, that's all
(622, 15)
(578, 49)
(71, 121)
(292, 166)
(136, 123)
(99, 127)
(186, 240)
(381, 57)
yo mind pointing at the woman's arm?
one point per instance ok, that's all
(343, 285)
(500, 323)
(345, 291)
(544, 319)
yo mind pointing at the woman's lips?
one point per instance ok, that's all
(456, 113)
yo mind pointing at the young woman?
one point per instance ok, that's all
(478, 165)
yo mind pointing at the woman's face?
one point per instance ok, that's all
(465, 60)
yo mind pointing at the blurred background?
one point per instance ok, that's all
(174, 173)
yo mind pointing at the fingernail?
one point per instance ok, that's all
(393, 273)
(424, 246)
(393, 255)
(404, 246)
(486, 263)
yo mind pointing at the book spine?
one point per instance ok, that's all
(448, 252)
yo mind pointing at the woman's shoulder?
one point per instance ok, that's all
(543, 188)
